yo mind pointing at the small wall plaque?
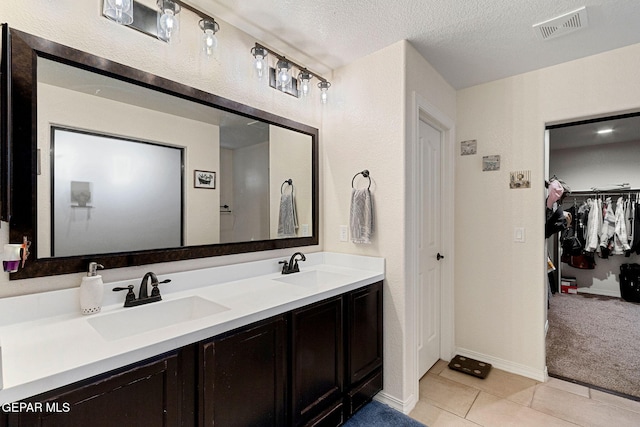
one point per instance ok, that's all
(520, 179)
(468, 147)
(491, 163)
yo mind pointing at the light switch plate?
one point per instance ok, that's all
(344, 233)
(518, 235)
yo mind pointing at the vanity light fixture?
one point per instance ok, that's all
(120, 11)
(282, 74)
(259, 63)
(605, 131)
(209, 41)
(162, 21)
(168, 21)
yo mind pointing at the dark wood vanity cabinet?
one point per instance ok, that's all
(148, 394)
(313, 366)
(243, 376)
(317, 363)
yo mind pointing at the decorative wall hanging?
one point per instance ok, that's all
(204, 179)
(491, 163)
(520, 179)
(468, 147)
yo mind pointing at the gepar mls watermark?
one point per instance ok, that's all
(40, 407)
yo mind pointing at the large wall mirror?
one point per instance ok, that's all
(111, 164)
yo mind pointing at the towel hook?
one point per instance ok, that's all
(286, 181)
(364, 173)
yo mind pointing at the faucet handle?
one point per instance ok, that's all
(130, 295)
(285, 266)
(155, 292)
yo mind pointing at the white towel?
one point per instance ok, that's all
(361, 216)
(288, 218)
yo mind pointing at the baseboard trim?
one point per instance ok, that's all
(403, 406)
(603, 292)
(506, 365)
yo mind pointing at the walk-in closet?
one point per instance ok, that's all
(593, 242)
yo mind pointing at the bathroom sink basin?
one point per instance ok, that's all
(312, 278)
(144, 318)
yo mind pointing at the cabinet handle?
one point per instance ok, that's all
(439, 257)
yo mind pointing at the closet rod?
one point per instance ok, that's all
(617, 192)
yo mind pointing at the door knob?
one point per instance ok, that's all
(439, 257)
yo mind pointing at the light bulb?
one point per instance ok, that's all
(284, 78)
(259, 65)
(323, 96)
(324, 87)
(167, 19)
(209, 42)
(305, 82)
(209, 39)
(168, 23)
(120, 11)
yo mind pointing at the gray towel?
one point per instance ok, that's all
(288, 218)
(361, 216)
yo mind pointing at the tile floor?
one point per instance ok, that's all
(450, 398)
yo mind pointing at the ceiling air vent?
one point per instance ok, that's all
(564, 24)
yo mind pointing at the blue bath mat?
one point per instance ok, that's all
(376, 414)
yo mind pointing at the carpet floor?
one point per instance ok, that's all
(376, 414)
(595, 340)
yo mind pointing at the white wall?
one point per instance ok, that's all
(365, 127)
(79, 24)
(290, 158)
(597, 166)
(500, 284)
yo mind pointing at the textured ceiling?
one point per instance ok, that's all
(468, 41)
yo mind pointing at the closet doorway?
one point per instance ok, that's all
(593, 335)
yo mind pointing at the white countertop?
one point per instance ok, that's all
(47, 343)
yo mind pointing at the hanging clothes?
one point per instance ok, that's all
(620, 239)
(593, 225)
(608, 228)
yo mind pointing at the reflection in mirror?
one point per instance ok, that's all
(250, 158)
(105, 190)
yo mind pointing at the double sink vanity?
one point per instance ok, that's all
(241, 344)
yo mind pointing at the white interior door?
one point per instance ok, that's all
(429, 258)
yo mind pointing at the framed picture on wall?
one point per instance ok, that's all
(204, 179)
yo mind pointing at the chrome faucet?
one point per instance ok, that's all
(292, 265)
(143, 293)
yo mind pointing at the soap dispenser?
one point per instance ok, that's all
(91, 290)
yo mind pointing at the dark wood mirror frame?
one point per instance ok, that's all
(18, 155)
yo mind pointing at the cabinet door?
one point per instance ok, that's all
(364, 346)
(364, 332)
(145, 395)
(243, 377)
(317, 362)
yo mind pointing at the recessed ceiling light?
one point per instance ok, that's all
(603, 131)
